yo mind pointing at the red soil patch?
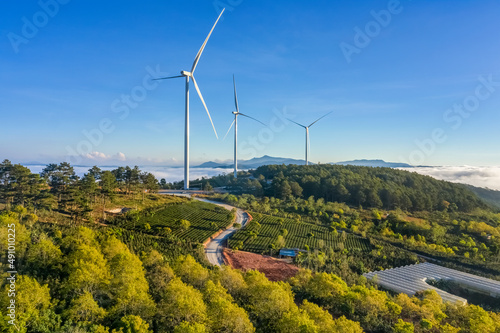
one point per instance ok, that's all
(274, 269)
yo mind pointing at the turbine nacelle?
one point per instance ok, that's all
(236, 112)
(186, 73)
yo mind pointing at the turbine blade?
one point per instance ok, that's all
(198, 55)
(229, 129)
(320, 118)
(205, 105)
(235, 96)
(168, 77)
(296, 123)
(244, 115)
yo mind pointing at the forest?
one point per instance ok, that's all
(82, 270)
(384, 188)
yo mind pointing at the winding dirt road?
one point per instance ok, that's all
(213, 250)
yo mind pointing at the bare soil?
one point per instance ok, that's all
(274, 269)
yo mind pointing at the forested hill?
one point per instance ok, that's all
(490, 196)
(370, 187)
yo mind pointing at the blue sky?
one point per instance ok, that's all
(387, 98)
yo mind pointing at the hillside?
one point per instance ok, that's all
(145, 271)
(490, 196)
(385, 188)
(80, 279)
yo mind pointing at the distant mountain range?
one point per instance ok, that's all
(252, 163)
(375, 163)
(269, 160)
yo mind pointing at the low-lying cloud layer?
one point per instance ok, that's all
(487, 177)
(171, 174)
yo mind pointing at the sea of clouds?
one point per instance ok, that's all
(487, 177)
(171, 174)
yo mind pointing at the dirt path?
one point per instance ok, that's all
(213, 250)
(274, 269)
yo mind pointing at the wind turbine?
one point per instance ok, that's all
(307, 133)
(235, 123)
(190, 75)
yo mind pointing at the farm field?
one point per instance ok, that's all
(264, 230)
(205, 219)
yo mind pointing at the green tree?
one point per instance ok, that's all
(85, 309)
(44, 258)
(184, 224)
(403, 327)
(296, 189)
(61, 179)
(223, 314)
(267, 301)
(128, 285)
(344, 325)
(296, 321)
(181, 302)
(149, 183)
(132, 324)
(23, 236)
(88, 190)
(190, 271)
(33, 303)
(87, 270)
(108, 186)
(186, 327)
(6, 194)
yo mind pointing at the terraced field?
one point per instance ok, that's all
(257, 238)
(205, 219)
(170, 247)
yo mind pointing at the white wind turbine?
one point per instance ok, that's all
(307, 133)
(189, 75)
(235, 123)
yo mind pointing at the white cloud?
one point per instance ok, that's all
(176, 174)
(120, 156)
(487, 177)
(95, 155)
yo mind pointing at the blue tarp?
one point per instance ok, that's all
(288, 252)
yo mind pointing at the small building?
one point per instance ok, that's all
(290, 252)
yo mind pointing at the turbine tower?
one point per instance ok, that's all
(190, 75)
(307, 133)
(235, 123)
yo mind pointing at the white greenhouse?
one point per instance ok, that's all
(412, 278)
